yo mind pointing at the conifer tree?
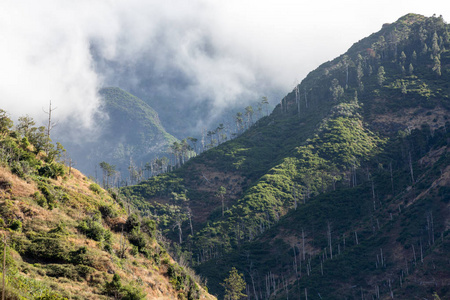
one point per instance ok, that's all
(411, 69)
(234, 285)
(435, 45)
(380, 76)
(437, 65)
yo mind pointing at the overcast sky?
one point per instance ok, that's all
(228, 49)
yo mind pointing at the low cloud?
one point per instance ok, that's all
(215, 54)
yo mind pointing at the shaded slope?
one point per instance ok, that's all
(382, 233)
(131, 134)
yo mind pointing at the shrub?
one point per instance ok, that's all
(95, 188)
(51, 170)
(115, 289)
(61, 270)
(48, 248)
(81, 257)
(16, 225)
(108, 211)
(93, 229)
(40, 199)
(138, 239)
(132, 292)
(49, 197)
(132, 223)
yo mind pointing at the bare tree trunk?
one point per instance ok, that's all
(411, 167)
(421, 251)
(190, 222)
(4, 268)
(295, 262)
(381, 256)
(303, 243)
(329, 240)
(432, 228)
(392, 178)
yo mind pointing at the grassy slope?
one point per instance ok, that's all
(65, 235)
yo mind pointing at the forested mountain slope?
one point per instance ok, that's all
(67, 238)
(130, 136)
(342, 191)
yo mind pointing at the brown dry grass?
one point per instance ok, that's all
(19, 187)
(17, 196)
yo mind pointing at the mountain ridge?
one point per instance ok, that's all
(129, 137)
(333, 132)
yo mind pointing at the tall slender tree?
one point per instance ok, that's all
(265, 101)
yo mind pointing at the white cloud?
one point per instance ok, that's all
(224, 51)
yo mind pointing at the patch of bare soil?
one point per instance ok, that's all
(207, 181)
(409, 118)
(292, 239)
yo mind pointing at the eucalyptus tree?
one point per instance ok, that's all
(336, 90)
(239, 122)
(218, 131)
(194, 143)
(221, 195)
(5, 122)
(108, 172)
(380, 75)
(249, 114)
(265, 101)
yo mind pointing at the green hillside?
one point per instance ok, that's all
(359, 148)
(64, 237)
(129, 135)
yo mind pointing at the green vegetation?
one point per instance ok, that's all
(357, 143)
(234, 285)
(64, 235)
(130, 135)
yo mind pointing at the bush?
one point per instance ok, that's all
(51, 170)
(132, 292)
(51, 249)
(16, 225)
(115, 289)
(49, 197)
(40, 199)
(94, 230)
(95, 188)
(132, 223)
(81, 257)
(138, 239)
(108, 211)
